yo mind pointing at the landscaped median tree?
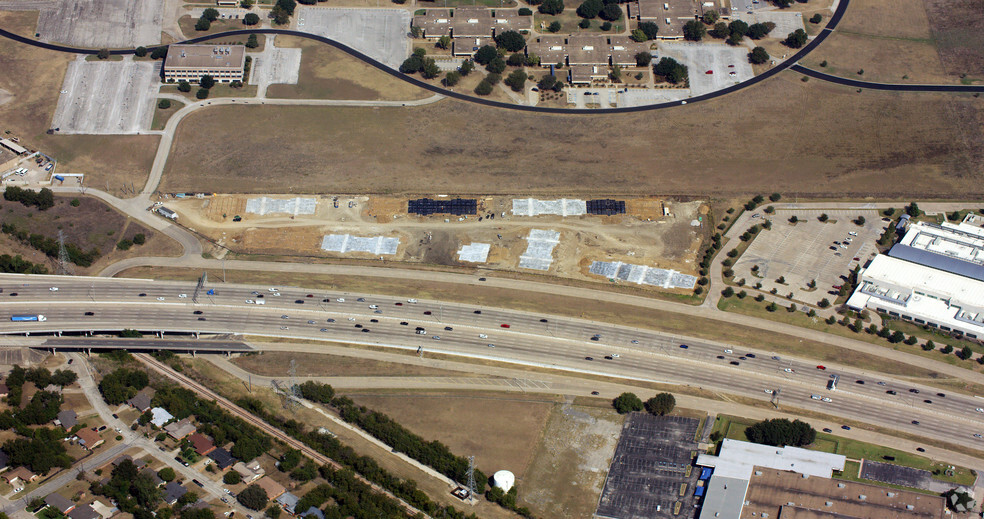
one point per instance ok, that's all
(626, 403)
(780, 432)
(661, 404)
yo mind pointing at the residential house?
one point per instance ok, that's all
(67, 419)
(202, 444)
(139, 463)
(160, 416)
(89, 438)
(141, 402)
(288, 502)
(178, 430)
(152, 475)
(272, 488)
(222, 459)
(314, 512)
(60, 503)
(249, 472)
(104, 508)
(19, 475)
(174, 491)
(84, 512)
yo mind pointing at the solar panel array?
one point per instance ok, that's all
(606, 206)
(455, 206)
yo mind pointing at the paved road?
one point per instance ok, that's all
(144, 344)
(892, 87)
(559, 343)
(816, 41)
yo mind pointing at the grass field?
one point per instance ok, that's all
(924, 143)
(500, 430)
(958, 28)
(162, 115)
(34, 76)
(733, 427)
(884, 60)
(272, 364)
(328, 73)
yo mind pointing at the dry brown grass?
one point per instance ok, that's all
(34, 76)
(794, 137)
(890, 18)
(958, 27)
(884, 60)
(328, 73)
(273, 363)
(500, 430)
(161, 115)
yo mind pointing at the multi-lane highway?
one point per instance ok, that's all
(575, 345)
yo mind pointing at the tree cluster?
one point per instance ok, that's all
(132, 491)
(122, 384)
(661, 404)
(511, 41)
(282, 11)
(18, 265)
(780, 432)
(507, 500)
(795, 39)
(248, 441)
(43, 199)
(208, 16)
(40, 449)
(317, 392)
(551, 6)
(50, 246)
(670, 70)
(627, 403)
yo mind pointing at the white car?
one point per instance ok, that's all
(271, 290)
(826, 399)
(815, 397)
(728, 351)
(160, 298)
(852, 233)
(411, 300)
(250, 302)
(491, 345)
(53, 289)
(276, 294)
(768, 391)
(483, 336)
(118, 430)
(788, 370)
(340, 300)
(182, 296)
(615, 355)
(373, 307)
(980, 409)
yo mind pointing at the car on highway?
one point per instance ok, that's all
(980, 409)
(285, 316)
(735, 363)
(427, 312)
(13, 294)
(358, 325)
(398, 304)
(404, 323)
(90, 313)
(361, 300)
(684, 346)
(978, 435)
(275, 294)
(197, 312)
(436, 337)
(340, 300)
(284, 328)
(273, 289)
(816, 397)
(826, 399)
(160, 298)
(828, 430)
(141, 295)
(595, 393)
(859, 382)
(880, 383)
(202, 319)
(588, 358)
(448, 328)
(310, 321)
(365, 330)
(182, 296)
(53, 289)
(634, 341)
(324, 330)
(478, 312)
(608, 357)
(309, 295)
(728, 351)
(491, 345)
(768, 391)
(503, 325)
(788, 370)
(776, 357)
(544, 321)
(481, 279)
(373, 307)
(891, 392)
(595, 337)
(915, 422)
(941, 395)
(743, 358)
(750, 355)
(846, 427)
(483, 336)
(298, 301)
(914, 390)
(616, 355)
(928, 401)
(920, 449)
(250, 302)
(326, 300)
(821, 367)
(411, 300)
(720, 357)
(330, 320)
(373, 320)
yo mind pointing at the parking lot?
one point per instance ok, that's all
(102, 23)
(649, 467)
(807, 251)
(786, 22)
(275, 65)
(727, 65)
(378, 33)
(107, 97)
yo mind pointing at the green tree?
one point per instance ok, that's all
(661, 404)
(251, 19)
(253, 497)
(206, 81)
(966, 353)
(466, 67)
(516, 60)
(252, 42)
(484, 88)
(550, 82)
(163, 104)
(486, 54)
(694, 30)
(430, 70)
(670, 70)
(122, 384)
(590, 8)
(823, 217)
(720, 30)
(607, 26)
(412, 65)
(626, 403)
(817, 18)
(757, 31)
(246, 4)
(795, 39)
(203, 24)
(728, 292)
(273, 512)
(551, 7)
(140, 52)
(124, 244)
(610, 12)
(638, 36)
(184, 86)
(139, 238)
(444, 42)
(650, 29)
(167, 474)
(947, 350)
(525, 11)
(103, 54)
(710, 17)
(280, 16)
(496, 66)
(780, 432)
(517, 80)
(511, 41)
(643, 59)
(287, 5)
(451, 78)
(211, 14)
(231, 478)
(554, 26)
(158, 53)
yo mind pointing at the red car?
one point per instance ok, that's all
(709, 72)
(504, 325)
(398, 304)
(822, 367)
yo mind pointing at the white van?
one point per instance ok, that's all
(666, 6)
(260, 302)
(667, 21)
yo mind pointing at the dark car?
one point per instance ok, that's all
(503, 325)
(735, 363)
(197, 312)
(309, 295)
(721, 357)
(326, 300)
(596, 338)
(920, 449)
(199, 483)
(481, 279)
(588, 358)
(742, 358)
(404, 323)
(941, 395)
(846, 427)
(595, 393)
(428, 312)
(361, 300)
(373, 320)
(915, 422)
(477, 312)
(398, 304)
(684, 346)
(608, 357)
(928, 401)
(299, 301)
(828, 430)
(90, 313)
(330, 320)
(750, 355)
(914, 390)
(202, 319)
(358, 326)
(859, 382)
(141, 295)
(365, 330)
(891, 392)
(543, 320)
(775, 357)
(448, 328)
(14, 294)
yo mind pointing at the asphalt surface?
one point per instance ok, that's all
(816, 41)
(102, 343)
(892, 87)
(559, 343)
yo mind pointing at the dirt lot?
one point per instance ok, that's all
(642, 236)
(327, 73)
(501, 431)
(569, 467)
(958, 27)
(927, 144)
(274, 364)
(90, 225)
(34, 76)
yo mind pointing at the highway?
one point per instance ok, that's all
(531, 340)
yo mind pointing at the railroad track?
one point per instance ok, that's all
(248, 417)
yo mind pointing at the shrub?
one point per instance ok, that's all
(525, 11)
(164, 104)
(947, 350)
(124, 244)
(103, 54)
(817, 18)
(184, 86)
(661, 404)
(554, 26)
(626, 403)
(75, 202)
(584, 23)
(484, 88)
(202, 93)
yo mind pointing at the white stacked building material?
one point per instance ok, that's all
(344, 243)
(643, 275)
(562, 207)
(539, 249)
(474, 252)
(294, 206)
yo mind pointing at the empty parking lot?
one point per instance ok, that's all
(107, 97)
(378, 33)
(275, 65)
(806, 251)
(727, 65)
(102, 23)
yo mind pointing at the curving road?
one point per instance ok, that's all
(891, 87)
(831, 24)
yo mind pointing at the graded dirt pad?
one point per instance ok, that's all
(500, 430)
(276, 363)
(328, 73)
(958, 27)
(568, 469)
(103, 23)
(793, 137)
(107, 97)
(34, 76)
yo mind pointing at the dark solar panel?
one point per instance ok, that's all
(455, 206)
(606, 206)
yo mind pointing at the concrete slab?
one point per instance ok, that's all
(276, 65)
(379, 33)
(539, 249)
(294, 206)
(107, 97)
(102, 23)
(347, 243)
(474, 252)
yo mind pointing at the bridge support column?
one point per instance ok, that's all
(59, 333)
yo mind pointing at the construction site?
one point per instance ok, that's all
(640, 241)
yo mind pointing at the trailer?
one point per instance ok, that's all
(31, 317)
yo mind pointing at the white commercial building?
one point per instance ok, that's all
(735, 463)
(934, 277)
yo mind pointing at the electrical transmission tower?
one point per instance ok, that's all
(295, 389)
(287, 399)
(64, 264)
(471, 476)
